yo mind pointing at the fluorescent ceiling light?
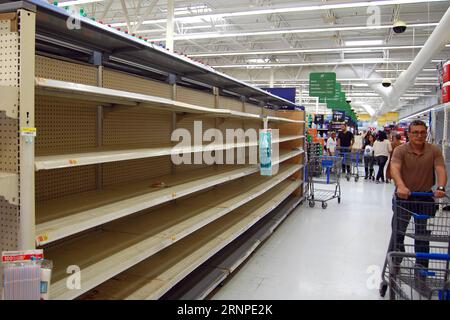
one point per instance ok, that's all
(204, 26)
(318, 50)
(259, 60)
(364, 43)
(343, 62)
(401, 70)
(284, 31)
(356, 84)
(76, 2)
(351, 4)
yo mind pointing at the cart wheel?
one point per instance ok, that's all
(312, 203)
(339, 200)
(312, 197)
(356, 179)
(324, 205)
(348, 178)
(383, 288)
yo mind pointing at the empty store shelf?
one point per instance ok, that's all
(123, 243)
(65, 216)
(154, 276)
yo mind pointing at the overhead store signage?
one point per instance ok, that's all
(338, 116)
(336, 95)
(318, 119)
(322, 84)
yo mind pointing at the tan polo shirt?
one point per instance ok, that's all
(417, 170)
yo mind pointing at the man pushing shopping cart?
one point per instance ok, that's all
(416, 168)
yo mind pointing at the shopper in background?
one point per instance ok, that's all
(345, 142)
(366, 138)
(331, 144)
(369, 158)
(381, 149)
(414, 167)
(396, 141)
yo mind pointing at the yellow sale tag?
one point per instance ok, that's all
(73, 162)
(28, 132)
(174, 238)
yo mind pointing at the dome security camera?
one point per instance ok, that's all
(399, 26)
(386, 83)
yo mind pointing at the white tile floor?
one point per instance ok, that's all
(335, 253)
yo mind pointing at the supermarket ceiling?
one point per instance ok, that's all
(279, 42)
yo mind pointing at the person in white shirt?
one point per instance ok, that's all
(331, 144)
(369, 157)
(381, 149)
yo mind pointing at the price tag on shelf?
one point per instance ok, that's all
(28, 132)
(41, 239)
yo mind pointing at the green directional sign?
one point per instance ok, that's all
(322, 84)
(336, 95)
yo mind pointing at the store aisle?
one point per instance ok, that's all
(322, 254)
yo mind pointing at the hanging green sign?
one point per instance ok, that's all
(335, 97)
(322, 84)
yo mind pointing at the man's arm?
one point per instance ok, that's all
(441, 172)
(396, 168)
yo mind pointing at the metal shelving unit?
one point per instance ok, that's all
(96, 186)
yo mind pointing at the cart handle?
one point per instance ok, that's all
(420, 216)
(422, 194)
(433, 256)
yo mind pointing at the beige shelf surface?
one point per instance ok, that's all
(124, 243)
(280, 119)
(104, 155)
(56, 88)
(154, 276)
(9, 187)
(65, 89)
(60, 218)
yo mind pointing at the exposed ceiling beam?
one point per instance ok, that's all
(147, 12)
(125, 12)
(105, 12)
(304, 51)
(289, 31)
(274, 10)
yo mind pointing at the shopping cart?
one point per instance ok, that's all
(410, 280)
(323, 170)
(356, 164)
(420, 224)
(345, 154)
(352, 161)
